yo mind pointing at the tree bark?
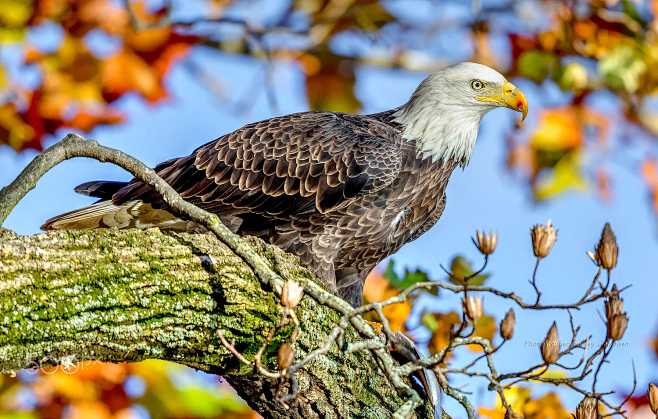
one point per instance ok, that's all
(132, 295)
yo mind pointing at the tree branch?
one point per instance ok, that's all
(131, 295)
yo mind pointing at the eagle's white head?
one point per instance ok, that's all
(444, 113)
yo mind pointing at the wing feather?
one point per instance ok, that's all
(284, 165)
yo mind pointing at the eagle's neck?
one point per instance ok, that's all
(443, 131)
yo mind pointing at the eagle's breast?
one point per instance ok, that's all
(378, 225)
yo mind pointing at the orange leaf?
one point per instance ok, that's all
(558, 129)
(377, 288)
(124, 72)
(14, 130)
(485, 327)
(649, 172)
(86, 121)
(441, 333)
(603, 184)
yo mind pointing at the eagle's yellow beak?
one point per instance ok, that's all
(510, 97)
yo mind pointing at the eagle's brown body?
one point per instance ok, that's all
(340, 191)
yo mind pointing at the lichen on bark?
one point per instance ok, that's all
(130, 295)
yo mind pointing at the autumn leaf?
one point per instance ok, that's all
(558, 130)
(485, 327)
(441, 325)
(14, 15)
(331, 86)
(406, 280)
(538, 65)
(548, 406)
(649, 170)
(124, 72)
(14, 131)
(378, 288)
(623, 68)
(461, 268)
(565, 175)
(3, 78)
(99, 390)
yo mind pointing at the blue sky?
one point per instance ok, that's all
(481, 196)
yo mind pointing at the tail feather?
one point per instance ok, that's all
(105, 214)
(100, 188)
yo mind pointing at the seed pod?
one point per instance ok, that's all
(507, 325)
(291, 294)
(607, 250)
(285, 356)
(653, 398)
(587, 409)
(614, 304)
(616, 318)
(550, 347)
(473, 307)
(617, 326)
(485, 242)
(543, 238)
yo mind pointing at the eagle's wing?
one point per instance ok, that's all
(290, 164)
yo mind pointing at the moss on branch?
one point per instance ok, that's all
(131, 295)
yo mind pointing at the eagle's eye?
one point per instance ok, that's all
(477, 84)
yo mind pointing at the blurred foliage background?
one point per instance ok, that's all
(69, 63)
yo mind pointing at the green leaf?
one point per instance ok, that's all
(12, 35)
(631, 11)
(405, 281)
(429, 321)
(623, 68)
(538, 65)
(461, 268)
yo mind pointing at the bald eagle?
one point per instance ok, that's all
(340, 191)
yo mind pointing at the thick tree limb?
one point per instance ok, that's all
(132, 295)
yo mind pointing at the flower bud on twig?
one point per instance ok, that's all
(285, 356)
(543, 238)
(291, 294)
(653, 398)
(587, 409)
(550, 347)
(473, 307)
(607, 250)
(485, 242)
(507, 325)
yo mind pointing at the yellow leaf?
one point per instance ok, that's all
(3, 78)
(11, 35)
(485, 327)
(441, 334)
(15, 12)
(547, 406)
(558, 129)
(550, 373)
(564, 176)
(516, 396)
(13, 129)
